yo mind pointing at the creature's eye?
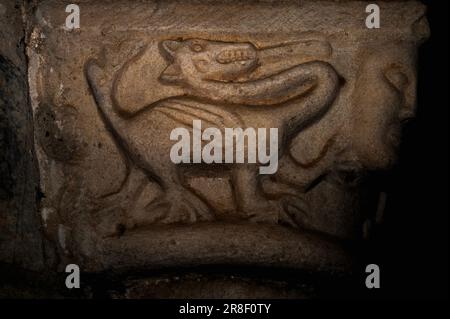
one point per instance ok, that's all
(196, 47)
(397, 77)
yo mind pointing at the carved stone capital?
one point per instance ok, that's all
(106, 98)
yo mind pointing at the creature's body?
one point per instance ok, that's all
(213, 76)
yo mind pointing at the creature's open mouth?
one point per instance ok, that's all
(208, 244)
(236, 55)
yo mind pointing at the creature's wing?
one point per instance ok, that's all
(185, 112)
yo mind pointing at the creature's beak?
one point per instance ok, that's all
(171, 74)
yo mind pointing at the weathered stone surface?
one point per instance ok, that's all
(106, 97)
(21, 241)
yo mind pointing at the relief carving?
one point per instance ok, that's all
(213, 76)
(337, 92)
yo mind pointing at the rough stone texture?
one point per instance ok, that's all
(105, 98)
(21, 241)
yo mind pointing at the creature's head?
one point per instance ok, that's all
(197, 59)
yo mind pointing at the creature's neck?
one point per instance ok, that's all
(297, 95)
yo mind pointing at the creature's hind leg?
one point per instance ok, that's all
(177, 204)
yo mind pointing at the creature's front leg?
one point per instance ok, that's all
(250, 200)
(256, 206)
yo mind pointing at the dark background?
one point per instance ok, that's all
(411, 246)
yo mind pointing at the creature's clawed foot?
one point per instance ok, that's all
(294, 211)
(179, 206)
(289, 210)
(261, 211)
